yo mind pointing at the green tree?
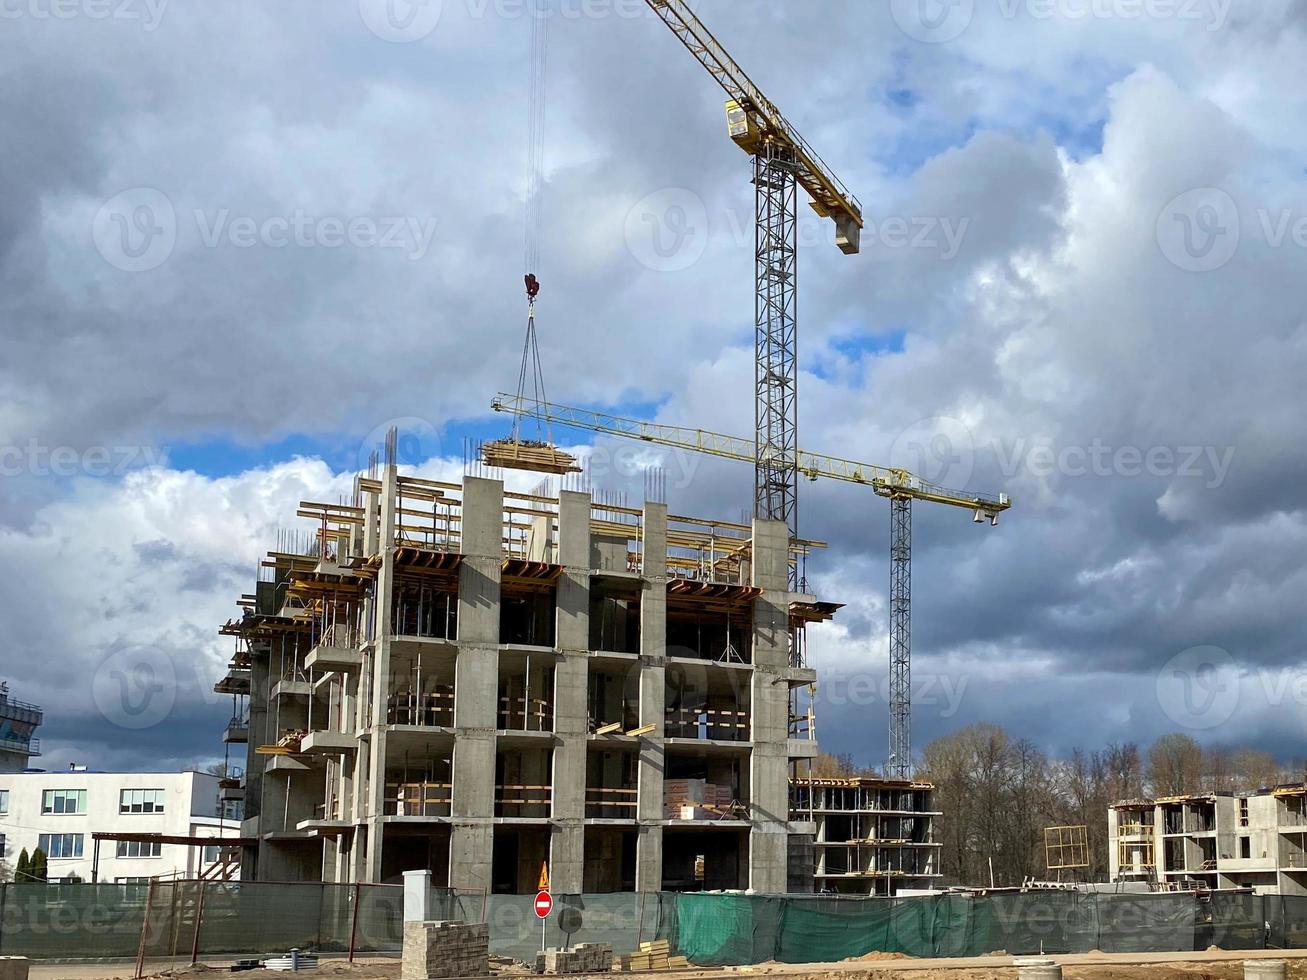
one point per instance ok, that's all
(23, 870)
(39, 870)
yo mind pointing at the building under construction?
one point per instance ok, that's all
(492, 685)
(871, 836)
(1213, 840)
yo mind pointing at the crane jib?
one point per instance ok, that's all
(830, 196)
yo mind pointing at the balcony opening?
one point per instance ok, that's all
(613, 699)
(614, 616)
(407, 848)
(519, 854)
(705, 633)
(610, 785)
(837, 861)
(705, 860)
(419, 788)
(527, 613)
(700, 788)
(609, 860)
(1207, 853)
(421, 691)
(425, 606)
(526, 696)
(1174, 819)
(709, 705)
(1173, 852)
(1203, 818)
(523, 783)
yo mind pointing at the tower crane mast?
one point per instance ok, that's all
(899, 486)
(782, 162)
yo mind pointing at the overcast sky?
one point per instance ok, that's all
(239, 240)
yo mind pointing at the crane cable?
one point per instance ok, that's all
(535, 161)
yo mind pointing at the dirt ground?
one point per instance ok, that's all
(1213, 965)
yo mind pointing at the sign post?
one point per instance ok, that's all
(544, 904)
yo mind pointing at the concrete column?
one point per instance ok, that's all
(571, 681)
(769, 788)
(652, 688)
(476, 685)
(376, 775)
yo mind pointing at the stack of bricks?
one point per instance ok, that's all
(441, 950)
(585, 958)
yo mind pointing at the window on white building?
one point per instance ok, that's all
(139, 849)
(2, 845)
(131, 880)
(141, 801)
(60, 845)
(4, 802)
(63, 801)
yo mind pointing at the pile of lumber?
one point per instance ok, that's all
(697, 799)
(539, 457)
(653, 956)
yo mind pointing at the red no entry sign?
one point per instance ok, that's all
(544, 904)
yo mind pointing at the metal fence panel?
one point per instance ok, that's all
(226, 918)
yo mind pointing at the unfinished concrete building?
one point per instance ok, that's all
(483, 683)
(1213, 840)
(870, 836)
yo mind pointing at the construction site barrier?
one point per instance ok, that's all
(186, 920)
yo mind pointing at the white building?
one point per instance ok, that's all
(59, 811)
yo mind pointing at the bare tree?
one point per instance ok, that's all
(1175, 766)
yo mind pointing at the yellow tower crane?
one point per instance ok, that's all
(783, 162)
(899, 486)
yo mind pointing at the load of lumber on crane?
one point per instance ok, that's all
(540, 457)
